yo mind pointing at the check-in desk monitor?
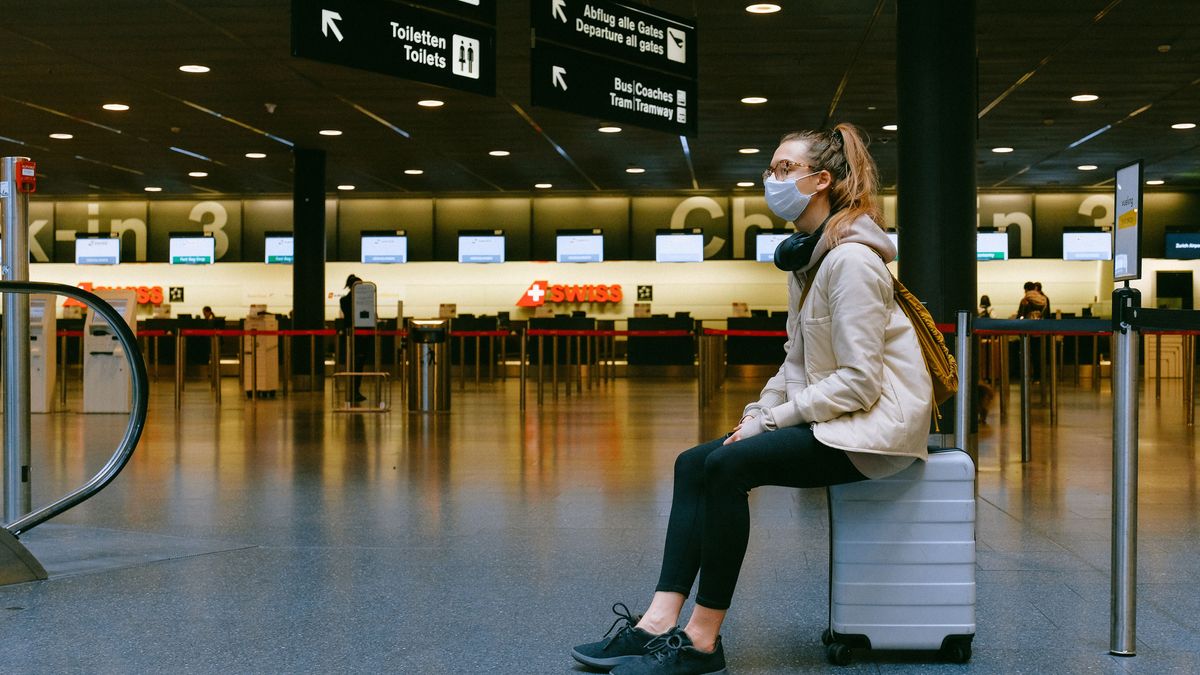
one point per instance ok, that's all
(97, 249)
(679, 246)
(1182, 243)
(190, 248)
(765, 244)
(579, 246)
(43, 352)
(279, 248)
(991, 246)
(481, 246)
(1087, 244)
(384, 247)
(107, 381)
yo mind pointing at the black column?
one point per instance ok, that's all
(308, 261)
(936, 198)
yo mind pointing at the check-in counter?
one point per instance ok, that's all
(742, 350)
(662, 351)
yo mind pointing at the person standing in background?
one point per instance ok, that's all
(985, 307)
(1033, 303)
(1037, 286)
(362, 345)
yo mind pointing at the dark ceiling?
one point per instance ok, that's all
(63, 59)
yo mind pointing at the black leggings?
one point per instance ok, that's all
(710, 514)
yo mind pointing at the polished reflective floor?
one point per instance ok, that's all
(280, 537)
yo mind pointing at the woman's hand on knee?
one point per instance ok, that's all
(749, 426)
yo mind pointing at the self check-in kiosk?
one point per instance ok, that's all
(364, 304)
(260, 353)
(107, 384)
(43, 353)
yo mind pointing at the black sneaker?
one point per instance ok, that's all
(673, 654)
(628, 644)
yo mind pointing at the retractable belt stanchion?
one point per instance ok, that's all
(1157, 366)
(1026, 437)
(521, 367)
(179, 360)
(1122, 637)
(962, 403)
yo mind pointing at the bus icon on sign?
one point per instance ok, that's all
(465, 57)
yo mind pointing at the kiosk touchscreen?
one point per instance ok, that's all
(107, 383)
(481, 246)
(190, 248)
(43, 352)
(1182, 243)
(991, 246)
(385, 247)
(1087, 244)
(278, 247)
(97, 249)
(579, 246)
(679, 246)
(766, 242)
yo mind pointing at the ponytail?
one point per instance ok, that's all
(842, 152)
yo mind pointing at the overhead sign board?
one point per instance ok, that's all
(395, 39)
(477, 10)
(627, 32)
(1127, 235)
(570, 80)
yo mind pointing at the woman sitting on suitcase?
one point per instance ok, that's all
(852, 401)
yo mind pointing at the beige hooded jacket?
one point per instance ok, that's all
(853, 368)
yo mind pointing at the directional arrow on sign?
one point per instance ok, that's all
(328, 19)
(558, 9)
(557, 78)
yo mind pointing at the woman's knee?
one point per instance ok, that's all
(690, 463)
(722, 467)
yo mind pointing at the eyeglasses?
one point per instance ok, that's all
(783, 167)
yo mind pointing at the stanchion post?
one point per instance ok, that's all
(1122, 638)
(1052, 342)
(1026, 434)
(254, 367)
(1158, 366)
(179, 366)
(62, 370)
(521, 366)
(962, 403)
(541, 364)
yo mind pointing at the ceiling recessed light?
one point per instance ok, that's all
(754, 100)
(1085, 98)
(152, 189)
(499, 153)
(115, 107)
(543, 186)
(635, 169)
(1087, 167)
(431, 103)
(1183, 125)
(256, 155)
(609, 130)
(330, 132)
(346, 188)
(746, 183)
(414, 172)
(763, 8)
(1155, 182)
(198, 174)
(748, 151)
(1002, 149)
(890, 127)
(194, 69)
(62, 137)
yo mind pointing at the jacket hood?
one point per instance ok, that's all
(861, 230)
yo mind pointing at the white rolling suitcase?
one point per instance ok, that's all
(902, 560)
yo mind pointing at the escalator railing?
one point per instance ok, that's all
(137, 417)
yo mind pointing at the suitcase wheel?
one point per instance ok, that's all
(838, 653)
(958, 651)
(826, 637)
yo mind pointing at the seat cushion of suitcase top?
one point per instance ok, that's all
(902, 568)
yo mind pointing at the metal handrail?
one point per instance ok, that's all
(137, 418)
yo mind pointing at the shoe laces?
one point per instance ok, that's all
(665, 647)
(623, 614)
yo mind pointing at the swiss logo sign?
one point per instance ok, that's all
(541, 292)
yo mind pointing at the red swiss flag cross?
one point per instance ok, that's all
(535, 295)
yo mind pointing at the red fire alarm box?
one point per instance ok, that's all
(26, 176)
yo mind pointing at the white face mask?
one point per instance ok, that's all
(785, 199)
